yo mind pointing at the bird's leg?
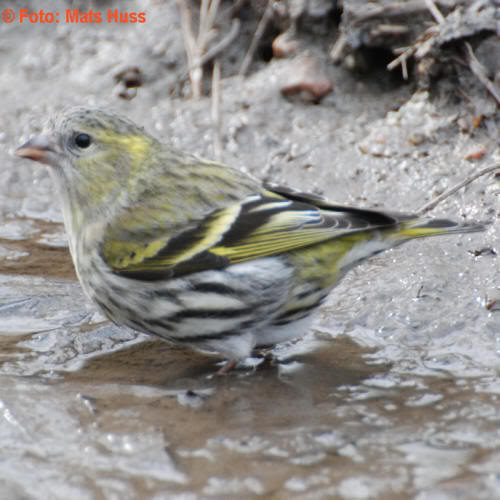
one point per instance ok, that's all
(224, 370)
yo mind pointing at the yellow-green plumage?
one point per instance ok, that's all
(195, 251)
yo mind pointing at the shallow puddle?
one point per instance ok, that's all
(88, 410)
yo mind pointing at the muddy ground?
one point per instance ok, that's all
(393, 394)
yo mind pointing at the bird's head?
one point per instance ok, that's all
(93, 155)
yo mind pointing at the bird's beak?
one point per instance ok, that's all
(38, 148)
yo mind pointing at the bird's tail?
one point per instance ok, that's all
(419, 228)
(350, 250)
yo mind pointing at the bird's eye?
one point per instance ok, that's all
(83, 140)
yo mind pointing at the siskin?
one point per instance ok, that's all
(197, 252)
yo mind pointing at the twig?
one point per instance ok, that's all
(190, 46)
(433, 203)
(391, 29)
(418, 50)
(434, 11)
(259, 32)
(208, 13)
(196, 46)
(404, 69)
(215, 111)
(401, 59)
(234, 9)
(338, 48)
(422, 46)
(214, 51)
(367, 10)
(478, 69)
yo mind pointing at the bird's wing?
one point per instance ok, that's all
(272, 222)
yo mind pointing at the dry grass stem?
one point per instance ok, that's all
(259, 32)
(214, 51)
(478, 69)
(433, 203)
(215, 111)
(436, 13)
(196, 45)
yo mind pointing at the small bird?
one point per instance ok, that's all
(197, 252)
